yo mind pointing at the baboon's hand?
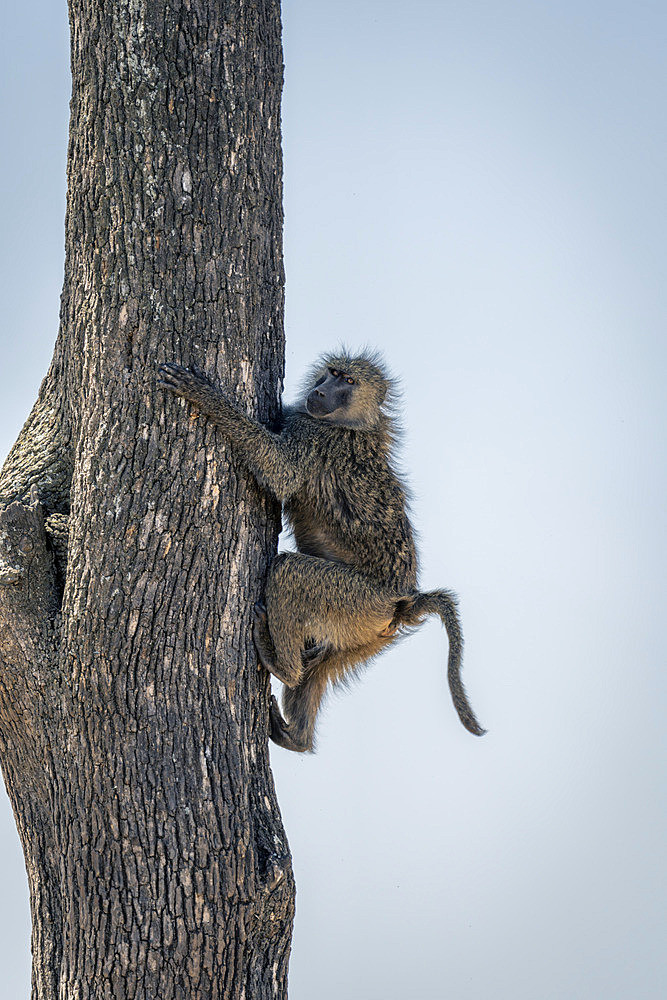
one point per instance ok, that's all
(185, 382)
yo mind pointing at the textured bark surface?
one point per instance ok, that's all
(133, 716)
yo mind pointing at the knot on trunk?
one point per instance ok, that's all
(27, 572)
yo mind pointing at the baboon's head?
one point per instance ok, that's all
(348, 391)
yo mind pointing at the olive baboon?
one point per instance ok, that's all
(352, 585)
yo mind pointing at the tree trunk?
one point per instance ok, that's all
(133, 715)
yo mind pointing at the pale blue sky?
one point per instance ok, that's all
(478, 189)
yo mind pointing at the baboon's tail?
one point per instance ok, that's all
(411, 611)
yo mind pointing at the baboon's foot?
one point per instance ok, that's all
(266, 650)
(279, 730)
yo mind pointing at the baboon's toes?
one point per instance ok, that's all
(279, 730)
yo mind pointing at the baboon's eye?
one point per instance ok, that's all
(334, 372)
(349, 380)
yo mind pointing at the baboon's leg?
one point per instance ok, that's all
(316, 600)
(288, 669)
(262, 637)
(301, 705)
(279, 730)
(310, 656)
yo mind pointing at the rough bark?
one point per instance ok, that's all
(133, 715)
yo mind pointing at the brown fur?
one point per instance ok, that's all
(343, 597)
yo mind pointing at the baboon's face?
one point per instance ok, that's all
(332, 392)
(347, 391)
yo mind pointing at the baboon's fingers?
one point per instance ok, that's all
(170, 374)
(180, 380)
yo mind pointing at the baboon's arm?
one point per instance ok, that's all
(272, 458)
